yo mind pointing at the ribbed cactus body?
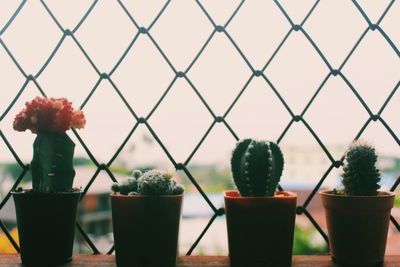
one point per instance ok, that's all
(52, 163)
(361, 177)
(257, 167)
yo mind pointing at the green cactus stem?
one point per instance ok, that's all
(256, 167)
(52, 163)
(360, 175)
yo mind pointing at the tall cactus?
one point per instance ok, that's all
(256, 167)
(361, 177)
(52, 163)
(53, 151)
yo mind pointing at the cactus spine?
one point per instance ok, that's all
(256, 167)
(360, 176)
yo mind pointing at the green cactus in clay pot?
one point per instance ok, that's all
(257, 167)
(53, 151)
(360, 175)
(150, 183)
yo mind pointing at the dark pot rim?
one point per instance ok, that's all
(381, 194)
(45, 194)
(282, 195)
(116, 195)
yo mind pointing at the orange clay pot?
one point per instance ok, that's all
(260, 229)
(358, 227)
(146, 229)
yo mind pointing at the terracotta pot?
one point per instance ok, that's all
(46, 226)
(358, 227)
(260, 229)
(146, 229)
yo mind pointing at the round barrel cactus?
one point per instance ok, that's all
(257, 167)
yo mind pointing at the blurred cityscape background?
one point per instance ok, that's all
(107, 41)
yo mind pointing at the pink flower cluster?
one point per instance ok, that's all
(54, 115)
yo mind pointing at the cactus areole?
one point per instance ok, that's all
(53, 151)
(257, 167)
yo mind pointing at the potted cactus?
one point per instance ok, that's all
(358, 215)
(146, 211)
(260, 220)
(46, 214)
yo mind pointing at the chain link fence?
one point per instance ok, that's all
(223, 30)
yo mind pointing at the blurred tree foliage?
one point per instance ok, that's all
(14, 170)
(397, 201)
(305, 242)
(211, 178)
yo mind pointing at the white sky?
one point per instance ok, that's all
(219, 74)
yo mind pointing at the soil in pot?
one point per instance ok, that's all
(358, 227)
(46, 226)
(260, 229)
(146, 229)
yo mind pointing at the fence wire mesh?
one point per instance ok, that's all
(182, 74)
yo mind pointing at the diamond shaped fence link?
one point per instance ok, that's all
(218, 29)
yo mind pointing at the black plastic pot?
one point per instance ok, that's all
(146, 230)
(46, 226)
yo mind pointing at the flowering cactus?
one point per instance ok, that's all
(256, 167)
(53, 151)
(48, 115)
(361, 177)
(152, 182)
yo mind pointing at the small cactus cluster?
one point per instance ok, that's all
(256, 167)
(360, 175)
(152, 182)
